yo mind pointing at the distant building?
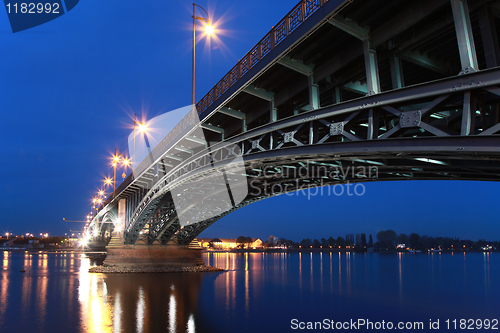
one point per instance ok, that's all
(272, 241)
(227, 243)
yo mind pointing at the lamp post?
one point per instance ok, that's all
(142, 129)
(116, 159)
(209, 30)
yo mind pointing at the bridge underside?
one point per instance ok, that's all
(337, 92)
(300, 168)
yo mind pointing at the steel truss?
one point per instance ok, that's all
(438, 130)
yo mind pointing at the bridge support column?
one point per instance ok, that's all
(313, 93)
(489, 37)
(396, 68)
(337, 97)
(154, 255)
(371, 64)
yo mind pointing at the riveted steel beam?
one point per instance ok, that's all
(465, 37)
(195, 140)
(349, 26)
(184, 150)
(174, 157)
(231, 112)
(296, 65)
(213, 128)
(425, 61)
(356, 87)
(259, 92)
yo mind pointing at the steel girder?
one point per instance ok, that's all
(452, 121)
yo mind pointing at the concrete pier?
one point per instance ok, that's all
(153, 255)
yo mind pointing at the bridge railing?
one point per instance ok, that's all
(295, 18)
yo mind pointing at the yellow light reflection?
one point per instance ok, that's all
(300, 271)
(321, 270)
(312, 277)
(92, 295)
(117, 314)
(41, 298)
(140, 311)
(6, 255)
(247, 289)
(172, 310)
(190, 327)
(340, 274)
(4, 290)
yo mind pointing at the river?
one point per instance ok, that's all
(258, 292)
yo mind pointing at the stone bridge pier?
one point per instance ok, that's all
(120, 254)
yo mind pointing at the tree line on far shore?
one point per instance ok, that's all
(390, 240)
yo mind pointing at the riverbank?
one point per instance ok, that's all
(337, 250)
(153, 269)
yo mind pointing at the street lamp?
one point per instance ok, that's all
(107, 181)
(209, 30)
(116, 159)
(142, 129)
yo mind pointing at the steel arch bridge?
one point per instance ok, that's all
(337, 92)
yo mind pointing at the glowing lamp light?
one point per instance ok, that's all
(107, 181)
(101, 192)
(126, 162)
(84, 242)
(209, 30)
(142, 127)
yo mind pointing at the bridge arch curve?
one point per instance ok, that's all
(274, 172)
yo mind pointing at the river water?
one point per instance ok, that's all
(273, 292)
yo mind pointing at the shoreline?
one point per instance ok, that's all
(103, 252)
(339, 251)
(108, 269)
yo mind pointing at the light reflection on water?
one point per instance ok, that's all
(57, 294)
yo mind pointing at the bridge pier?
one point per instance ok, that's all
(153, 255)
(119, 254)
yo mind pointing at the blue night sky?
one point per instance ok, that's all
(69, 89)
